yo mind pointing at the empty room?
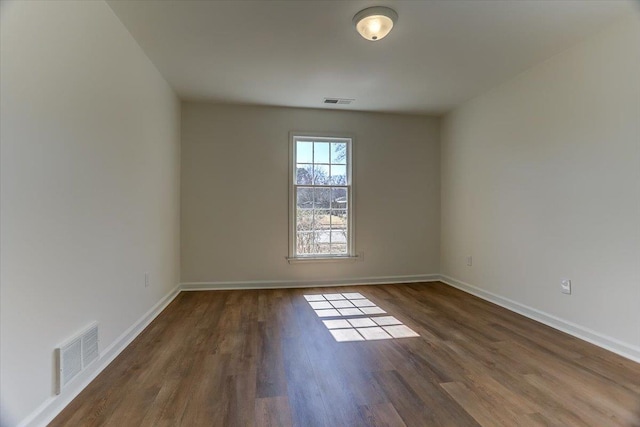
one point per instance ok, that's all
(319, 213)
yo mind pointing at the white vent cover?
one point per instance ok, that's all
(76, 354)
(341, 101)
(90, 346)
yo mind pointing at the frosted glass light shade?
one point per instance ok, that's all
(375, 23)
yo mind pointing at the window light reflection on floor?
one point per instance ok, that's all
(351, 328)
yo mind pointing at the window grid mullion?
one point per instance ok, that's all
(313, 218)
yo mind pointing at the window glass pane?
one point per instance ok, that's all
(320, 152)
(339, 198)
(321, 174)
(304, 152)
(304, 197)
(304, 243)
(322, 198)
(304, 220)
(323, 249)
(322, 236)
(323, 246)
(339, 236)
(338, 175)
(304, 174)
(339, 152)
(338, 219)
(322, 219)
(339, 248)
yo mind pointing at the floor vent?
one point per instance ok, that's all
(341, 101)
(75, 355)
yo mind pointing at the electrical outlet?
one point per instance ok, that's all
(565, 286)
(469, 261)
(146, 280)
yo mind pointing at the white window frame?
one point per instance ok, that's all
(321, 137)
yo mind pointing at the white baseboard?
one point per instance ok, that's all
(51, 407)
(609, 343)
(279, 284)
(54, 405)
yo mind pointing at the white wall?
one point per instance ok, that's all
(90, 187)
(541, 181)
(235, 191)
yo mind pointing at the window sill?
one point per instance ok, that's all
(316, 259)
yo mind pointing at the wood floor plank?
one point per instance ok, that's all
(381, 415)
(273, 412)
(329, 369)
(487, 412)
(271, 381)
(305, 399)
(266, 358)
(412, 409)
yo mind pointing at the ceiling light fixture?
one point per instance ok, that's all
(374, 23)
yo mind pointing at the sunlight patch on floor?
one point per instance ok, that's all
(348, 328)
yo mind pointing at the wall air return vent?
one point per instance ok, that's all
(90, 346)
(75, 355)
(340, 101)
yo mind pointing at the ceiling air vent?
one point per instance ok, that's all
(341, 101)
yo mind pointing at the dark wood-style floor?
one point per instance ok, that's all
(263, 357)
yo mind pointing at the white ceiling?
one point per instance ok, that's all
(295, 53)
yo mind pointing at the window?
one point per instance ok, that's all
(321, 210)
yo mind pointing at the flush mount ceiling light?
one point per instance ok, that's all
(374, 23)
